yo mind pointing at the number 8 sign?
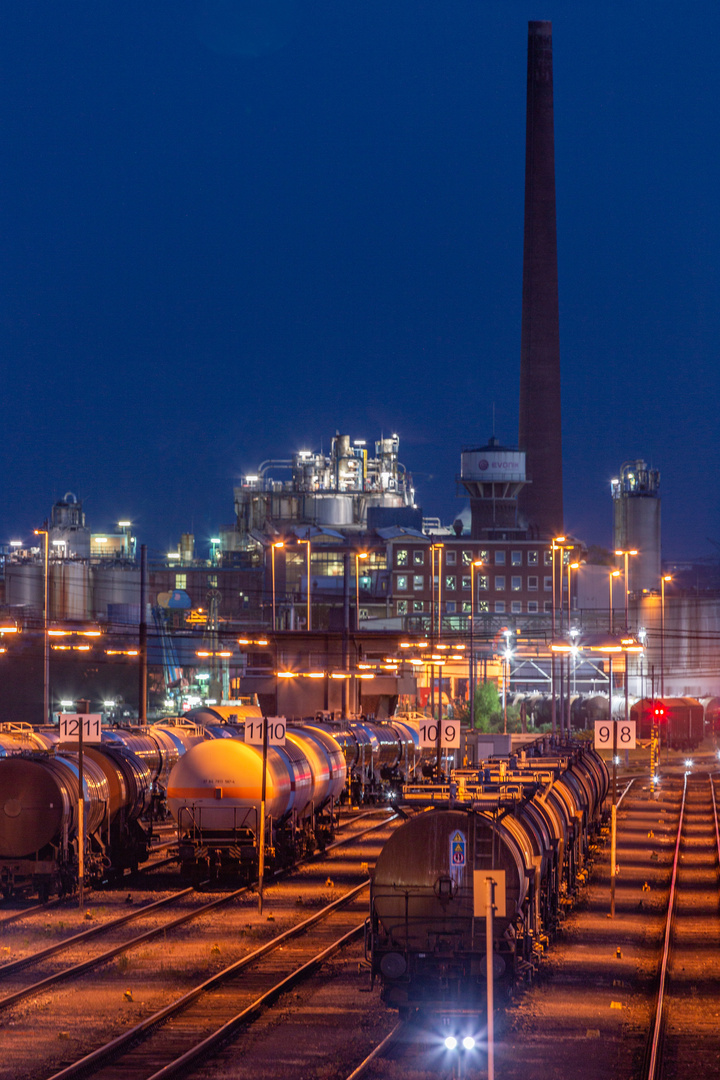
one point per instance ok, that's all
(625, 739)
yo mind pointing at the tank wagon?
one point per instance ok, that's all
(214, 794)
(124, 780)
(379, 758)
(528, 826)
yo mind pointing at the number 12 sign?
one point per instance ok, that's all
(449, 733)
(276, 730)
(625, 734)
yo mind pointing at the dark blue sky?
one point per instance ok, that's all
(219, 243)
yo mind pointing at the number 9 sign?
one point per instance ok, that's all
(625, 738)
(449, 733)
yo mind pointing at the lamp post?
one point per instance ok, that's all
(277, 544)
(663, 579)
(433, 549)
(558, 544)
(46, 643)
(621, 551)
(471, 669)
(571, 655)
(613, 574)
(506, 679)
(358, 555)
(309, 599)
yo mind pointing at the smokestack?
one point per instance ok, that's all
(541, 501)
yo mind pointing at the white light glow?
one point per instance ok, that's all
(451, 1042)
(469, 1042)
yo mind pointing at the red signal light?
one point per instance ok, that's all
(659, 712)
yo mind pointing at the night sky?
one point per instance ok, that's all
(230, 227)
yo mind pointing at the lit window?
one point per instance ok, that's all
(516, 607)
(418, 558)
(532, 558)
(181, 581)
(548, 558)
(483, 582)
(483, 606)
(212, 581)
(500, 583)
(467, 558)
(450, 582)
(532, 583)
(532, 606)
(499, 558)
(418, 605)
(547, 584)
(516, 558)
(485, 556)
(402, 606)
(516, 583)
(500, 606)
(402, 582)
(466, 582)
(418, 582)
(466, 607)
(402, 557)
(450, 558)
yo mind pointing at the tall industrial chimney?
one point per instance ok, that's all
(541, 501)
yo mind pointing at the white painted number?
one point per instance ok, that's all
(69, 727)
(276, 730)
(450, 734)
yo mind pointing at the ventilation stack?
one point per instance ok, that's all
(541, 500)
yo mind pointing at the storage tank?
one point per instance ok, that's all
(25, 585)
(636, 523)
(115, 585)
(69, 590)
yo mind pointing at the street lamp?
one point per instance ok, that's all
(621, 551)
(46, 645)
(277, 544)
(571, 656)
(613, 574)
(358, 555)
(309, 601)
(435, 548)
(471, 669)
(663, 579)
(558, 544)
(506, 677)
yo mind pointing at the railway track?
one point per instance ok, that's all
(203, 1019)
(684, 1038)
(72, 971)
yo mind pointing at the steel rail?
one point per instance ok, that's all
(68, 943)
(379, 1050)
(657, 1023)
(201, 1049)
(84, 935)
(97, 1057)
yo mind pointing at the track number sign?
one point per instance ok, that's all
(69, 724)
(449, 733)
(276, 726)
(625, 734)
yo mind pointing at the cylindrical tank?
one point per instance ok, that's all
(114, 585)
(25, 585)
(69, 590)
(39, 800)
(331, 510)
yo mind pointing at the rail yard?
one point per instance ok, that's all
(155, 977)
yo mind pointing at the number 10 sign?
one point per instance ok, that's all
(625, 739)
(449, 733)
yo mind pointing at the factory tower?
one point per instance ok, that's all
(541, 500)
